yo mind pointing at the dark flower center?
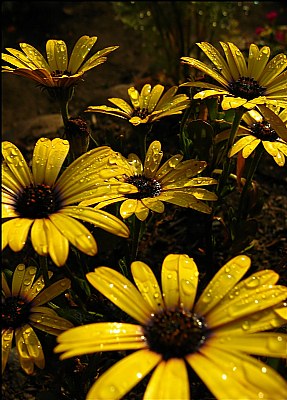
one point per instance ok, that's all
(141, 113)
(15, 312)
(37, 202)
(58, 73)
(247, 88)
(147, 187)
(174, 333)
(262, 130)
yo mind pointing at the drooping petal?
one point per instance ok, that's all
(224, 280)
(6, 339)
(123, 376)
(170, 279)
(75, 232)
(147, 284)
(121, 292)
(102, 336)
(58, 244)
(128, 208)
(122, 104)
(98, 58)
(169, 381)
(34, 347)
(26, 362)
(39, 237)
(240, 144)
(35, 56)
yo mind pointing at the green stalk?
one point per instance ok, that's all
(137, 227)
(44, 268)
(243, 202)
(227, 160)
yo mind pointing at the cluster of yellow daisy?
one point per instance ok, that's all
(53, 203)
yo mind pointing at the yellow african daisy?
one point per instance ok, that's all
(268, 130)
(59, 70)
(23, 310)
(147, 106)
(213, 335)
(144, 188)
(257, 81)
(38, 200)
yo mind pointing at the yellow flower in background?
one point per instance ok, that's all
(213, 335)
(257, 81)
(144, 188)
(269, 130)
(147, 106)
(59, 70)
(23, 310)
(37, 199)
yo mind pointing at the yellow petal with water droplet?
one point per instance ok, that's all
(26, 362)
(39, 237)
(58, 244)
(16, 163)
(80, 52)
(17, 232)
(128, 208)
(52, 291)
(240, 144)
(123, 105)
(221, 283)
(6, 339)
(152, 159)
(147, 284)
(118, 380)
(168, 381)
(155, 94)
(105, 336)
(121, 292)
(35, 56)
(28, 280)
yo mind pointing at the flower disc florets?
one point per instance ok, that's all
(247, 88)
(15, 311)
(175, 333)
(263, 130)
(37, 201)
(147, 187)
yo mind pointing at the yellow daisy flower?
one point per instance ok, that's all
(147, 106)
(213, 335)
(269, 130)
(59, 70)
(145, 187)
(39, 200)
(23, 310)
(259, 81)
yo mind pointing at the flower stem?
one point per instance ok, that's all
(227, 160)
(137, 228)
(242, 212)
(44, 268)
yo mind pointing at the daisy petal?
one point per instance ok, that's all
(240, 144)
(128, 208)
(123, 376)
(58, 244)
(123, 105)
(170, 279)
(268, 344)
(155, 94)
(7, 337)
(35, 56)
(5, 287)
(260, 299)
(102, 336)
(34, 347)
(39, 237)
(28, 280)
(193, 62)
(17, 279)
(222, 282)
(48, 158)
(38, 285)
(17, 232)
(25, 360)
(121, 292)
(52, 324)
(97, 59)
(257, 376)
(57, 55)
(101, 219)
(52, 291)
(152, 159)
(75, 232)
(249, 148)
(147, 284)
(17, 164)
(168, 381)
(80, 51)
